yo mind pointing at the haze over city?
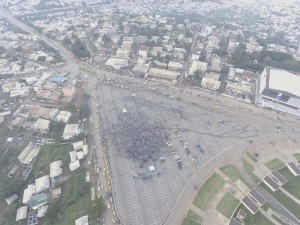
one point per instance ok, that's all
(143, 112)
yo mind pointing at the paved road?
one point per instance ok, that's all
(186, 64)
(229, 155)
(277, 206)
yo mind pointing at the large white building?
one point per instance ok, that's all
(280, 90)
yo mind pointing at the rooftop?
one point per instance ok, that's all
(271, 183)
(82, 220)
(279, 177)
(249, 204)
(257, 196)
(11, 199)
(42, 184)
(29, 153)
(55, 168)
(21, 213)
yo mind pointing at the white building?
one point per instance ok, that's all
(198, 65)
(70, 131)
(279, 89)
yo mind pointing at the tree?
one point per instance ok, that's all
(203, 55)
(105, 39)
(96, 208)
(198, 74)
(66, 41)
(41, 58)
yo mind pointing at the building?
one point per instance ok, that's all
(58, 79)
(294, 168)
(143, 51)
(63, 116)
(234, 222)
(175, 66)
(77, 145)
(73, 156)
(210, 83)
(141, 70)
(27, 194)
(42, 184)
(41, 126)
(11, 199)
(70, 131)
(250, 205)
(29, 153)
(7, 87)
(56, 170)
(279, 89)
(256, 195)
(117, 63)
(21, 213)
(49, 86)
(271, 183)
(68, 91)
(38, 200)
(82, 220)
(163, 74)
(42, 211)
(198, 65)
(74, 165)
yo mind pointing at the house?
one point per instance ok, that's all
(21, 213)
(42, 184)
(41, 126)
(70, 131)
(38, 200)
(56, 170)
(63, 116)
(210, 83)
(163, 74)
(175, 66)
(198, 65)
(74, 165)
(11, 199)
(143, 51)
(29, 153)
(82, 220)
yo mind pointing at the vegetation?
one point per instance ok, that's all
(274, 164)
(293, 184)
(252, 157)
(297, 156)
(56, 131)
(232, 173)
(192, 218)
(256, 62)
(79, 49)
(207, 191)
(74, 203)
(227, 205)
(249, 169)
(287, 202)
(9, 186)
(87, 70)
(256, 219)
(48, 154)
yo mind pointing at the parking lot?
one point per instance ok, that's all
(144, 192)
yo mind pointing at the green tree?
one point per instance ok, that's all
(96, 209)
(203, 55)
(41, 59)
